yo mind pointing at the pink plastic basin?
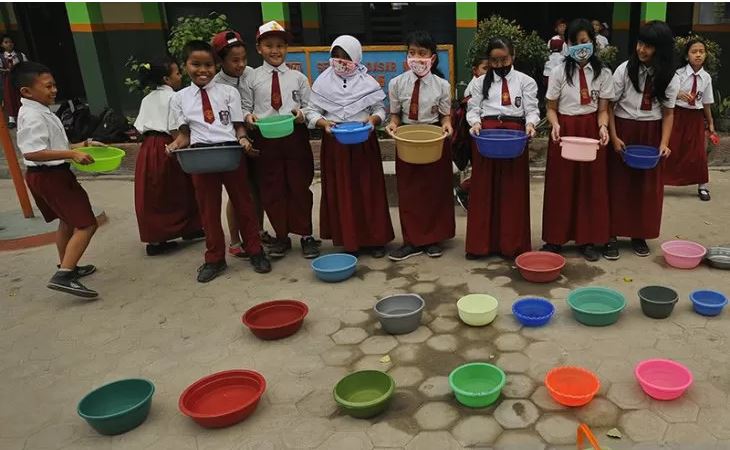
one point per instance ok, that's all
(683, 254)
(663, 379)
(578, 148)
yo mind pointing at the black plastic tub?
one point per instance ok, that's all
(657, 302)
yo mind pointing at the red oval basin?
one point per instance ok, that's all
(223, 398)
(540, 267)
(275, 319)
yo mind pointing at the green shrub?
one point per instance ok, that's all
(191, 28)
(132, 81)
(608, 55)
(714, 51)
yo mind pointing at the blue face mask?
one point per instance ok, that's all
(581, 52)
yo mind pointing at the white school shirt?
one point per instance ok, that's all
(314, 113)
(434, 97)
(186, 108)
(40, 129)
(523, 93)
(601, 41)
(554, 60)
(568, 96)
(237, 82)
(293, 84)
(628, 101)
(705, 96)
(471, 87)
(154, 112)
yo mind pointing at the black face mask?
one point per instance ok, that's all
(503, 71)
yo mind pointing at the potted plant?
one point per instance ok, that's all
(721, 112)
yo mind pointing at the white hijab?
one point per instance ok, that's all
(362, 90)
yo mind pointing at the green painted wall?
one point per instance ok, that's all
(653, 11)
(466, 16)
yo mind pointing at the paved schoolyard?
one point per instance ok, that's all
(154, 321)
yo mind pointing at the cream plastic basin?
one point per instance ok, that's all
(477, 310)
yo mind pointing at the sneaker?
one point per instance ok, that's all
(209, 271)
(200, 234)
(590, 253)
(280, 247)
(552, 248)
(378, 252)
(82, 271)
(404, 252)
(462, 197)
(434, 250)
(704, 194)
(610, 250)
(158, 249)
(260, 262)
(473, 256)
(266, 238)
(11, 125)
(640, 247)
(310, 247)
(65, 281)
(238, 251)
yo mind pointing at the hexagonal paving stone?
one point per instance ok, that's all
(383, 434)
(423, 288)
(405, 353)
(444, 324)
(354, 317)
(324, 326)
(478, 352)
(680, 410)
(288, 391)
(506, 323)
(514, 414)
(378, 345)
(643, 426)
(308, 433)
(518, 386)
(544, 401)
(689, 433)
(513, 362)
(415, 337)
(436, 416)
(349, 336)
(405, 376)
(443, 343)
(476, 430)
(707, 395)
(547, 352)
(557, 429)
(598, 413)
(340, 355)
(433, 440)
(628, 396)
(510, 342)
(349, 440)
(318, 403)
(435, 388)
(373, 362)
(617, 370)
(716, 421)
(519, 440)
(445, 310)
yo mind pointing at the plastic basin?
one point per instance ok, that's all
(719, 257)
(707, 302)
(641, 156)
(663, 379)
(334, 267)
(275, 319)
(106, 159)
(223, 398)
(683, 254)
(596, 306)
(352, 132)
(419, 144)
(365, 393)
(477, 384)
(401, 313)
(657, 302)
(501, 144)
(572, 386)
(209, 159)
(578, 148)
(279, 126)
(117, 407)
(533, 311)
(540, 267)
(477, 309)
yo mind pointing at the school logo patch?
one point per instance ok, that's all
(518, 101)
(295, 96)
(699, 95)
(594, 95)
(225, 117)
(435, 109)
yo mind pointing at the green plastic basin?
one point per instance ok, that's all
(477, 384)
(273, 127)
(106, 159)
(365, 393)
(117, 407)
(596, 306)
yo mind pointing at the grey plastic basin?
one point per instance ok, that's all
(401, 313)
(209, 159)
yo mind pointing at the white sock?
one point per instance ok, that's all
(705, 186)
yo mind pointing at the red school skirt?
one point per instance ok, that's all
(575, 205)
(353, 211)
(11, 96)
(687, 164)
(498, 218)
(636, 196)
(164, 198)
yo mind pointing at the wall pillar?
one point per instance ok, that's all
(466, 27)
(310, 23)
(278, 11)
(620, 29)
(653, 11)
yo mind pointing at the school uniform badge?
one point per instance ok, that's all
(698, 96)
(225, 117)
(435, 109)
(518, 101)
(295, 96)
(594, 95)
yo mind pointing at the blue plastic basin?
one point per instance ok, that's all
(708, 303)
(501, 144)
(352, 132)
(533, 311)
(334, 267)
(641, 156)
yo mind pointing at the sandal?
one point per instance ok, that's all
(704, 194)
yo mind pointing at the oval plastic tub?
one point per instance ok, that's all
(276, 319)
(364, 394)
(657, 302)
(477, 385)
(540, 267)
(349, 133)
(533, 311)
(572, 386)
(596, 306)
(401, 313)
(106, 159)
(663, 379)
(641, 157)
(117, 407)
(683, 254)
(419, 144)
(477, 309)
(708, 303)
(209, 159)
(501, 144)
(334, 267)
(278, 126)
(578, 148)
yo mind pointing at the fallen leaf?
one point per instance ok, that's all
(385, 359)
(678, 236)
(708, 223)
(628, 279)
(614, 433)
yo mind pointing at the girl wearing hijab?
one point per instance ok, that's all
(354, 207)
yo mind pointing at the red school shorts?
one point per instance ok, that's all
(59, 195)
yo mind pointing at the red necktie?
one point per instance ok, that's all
(413, 110)
(208, 115)
(646, 98)
(585, 98)
(506, 101)
(693, 94)
(275, 91)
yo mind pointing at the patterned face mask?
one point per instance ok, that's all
(343, 67)
(581, 52)
(420, 66)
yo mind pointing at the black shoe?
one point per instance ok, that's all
(158, 249)
(462, 197)
(377, 252)
(590, 253)
(404, 252)
(194, 235)
(704, 194)
(640, 247)
(11, 125)
(267, 239)
(552, 248)
(310, 247)
(280, 248)
(473, 256)
(610, 250)
(82, 271)
(434, 250)
(209, 271)
(260, 262)
(65, 281)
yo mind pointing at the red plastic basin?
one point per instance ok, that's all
(223, 398)
(540, 267)
(275, 319)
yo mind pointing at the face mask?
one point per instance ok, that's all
(420, 66)
(502, 71)
(581, 52)
(343, 67)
